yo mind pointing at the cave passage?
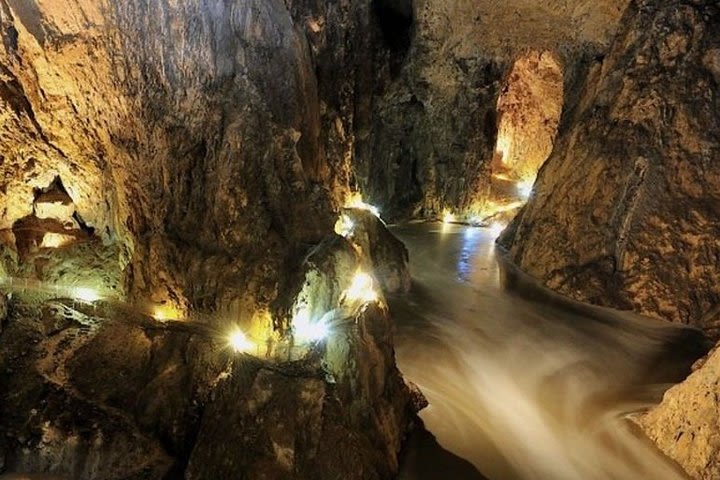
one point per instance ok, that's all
(521, 382)
(529, 111)
(197, 280)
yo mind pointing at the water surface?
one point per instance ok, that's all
(522, 383)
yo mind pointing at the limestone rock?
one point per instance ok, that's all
(625, 210)
(338, 409)
(432, 137)
(388, 256)
(112, 393)
(170, 130)
(686, 425)
(529, 111)
(202, 148)
(50, 425)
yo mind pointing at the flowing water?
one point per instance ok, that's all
(522, 383)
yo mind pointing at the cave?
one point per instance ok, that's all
(529, 111)
(378, 239)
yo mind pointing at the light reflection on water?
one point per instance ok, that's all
(524, 384)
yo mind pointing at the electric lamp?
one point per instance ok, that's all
(239, 342)
(85, 294)
(524, 188)
(307, 331)
(166, 312)
(361, 288)
(355, 201)
(496, 229)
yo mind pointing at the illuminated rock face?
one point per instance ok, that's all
(206, 145)
(388, 257)
(176, 129)
(434, 125)
(529, 111)
(686, 425)
(105, 392)
(626, 209)
(333, 414)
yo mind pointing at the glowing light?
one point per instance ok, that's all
(503, 148)
(239, 342)
(307, 331)
(164, 313)
(55, 240)
(344, 226)
(496, 229)
(85, 294)
(524, 188)
(355, 200)
(502, 176)
(448, 217)
(361, 289)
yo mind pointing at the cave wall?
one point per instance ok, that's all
(434, 122)
(206, 146)
(181, 131)
(529, 111)
(625, 210)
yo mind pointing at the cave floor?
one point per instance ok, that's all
(523, 383)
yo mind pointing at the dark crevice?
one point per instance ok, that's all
(83, 226)
(395, 19)
(56, 188)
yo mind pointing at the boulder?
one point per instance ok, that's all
(686, 425)
(387, 255)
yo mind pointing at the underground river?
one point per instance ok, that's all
(522, 383)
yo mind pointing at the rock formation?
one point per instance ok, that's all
(529, 111)
(184, 163)
(171, 172)
(686, 425)
(387, 255)
(624, 213)
(434, 124)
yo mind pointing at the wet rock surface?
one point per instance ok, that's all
(625, 210)
(686, 425)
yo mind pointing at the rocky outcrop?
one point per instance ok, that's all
(333, 415)
(529, 112)
(51, 423)
(177, 130)
(624, 213)
(203, 149)
(106, 392)
(686, 425)
(388, 257)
